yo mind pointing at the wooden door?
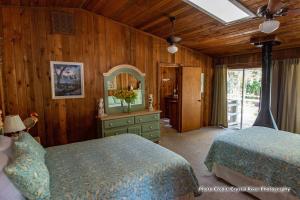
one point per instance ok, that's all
(190, 98)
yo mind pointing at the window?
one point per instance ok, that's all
(225, 11)
(243, 97)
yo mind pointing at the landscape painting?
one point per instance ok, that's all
(67, 80)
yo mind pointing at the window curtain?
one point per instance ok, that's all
(286, 94)
(219, 110)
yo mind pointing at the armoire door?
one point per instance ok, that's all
(190, 98)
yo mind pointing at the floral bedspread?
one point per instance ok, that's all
(261, 153)
(119, 167)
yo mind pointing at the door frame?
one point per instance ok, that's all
(243, 69)
(162, 65)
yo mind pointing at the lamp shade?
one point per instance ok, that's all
(13, 124)
(269, 26)
(172, 49)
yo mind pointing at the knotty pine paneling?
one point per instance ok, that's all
(100, 43)
(2, 107)
(254, 59)
(197, 29)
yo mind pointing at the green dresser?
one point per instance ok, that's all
(143, 123)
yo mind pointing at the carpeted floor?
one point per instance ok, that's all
(194, 146)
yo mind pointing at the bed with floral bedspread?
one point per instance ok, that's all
(119, 167)
(261, 153)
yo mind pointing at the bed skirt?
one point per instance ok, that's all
(239, 180)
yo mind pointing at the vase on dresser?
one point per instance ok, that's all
(122, 105)
(128, 107)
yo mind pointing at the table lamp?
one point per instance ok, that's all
(13, 124)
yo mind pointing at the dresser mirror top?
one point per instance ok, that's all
(123, 78)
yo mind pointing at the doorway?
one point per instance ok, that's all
(180, 99)
(243, 96)
(169, 94)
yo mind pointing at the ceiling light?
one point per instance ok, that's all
(225, 11)
(172, 49)
(269, 26)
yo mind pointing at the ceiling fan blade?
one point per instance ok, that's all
(173, 39)
(293, 12)
(274, 5)
(256, 18)
(176, 39)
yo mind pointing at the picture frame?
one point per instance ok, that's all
(67, 80)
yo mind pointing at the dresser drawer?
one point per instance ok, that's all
(134, 130)
(113, 132)
(151, 135)
(146, 118)
(150, 127)
(119, 122)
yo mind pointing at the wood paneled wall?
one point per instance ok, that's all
(254, 59)
(100, 43)
(2, 107)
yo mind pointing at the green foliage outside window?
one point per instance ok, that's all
(253, 88)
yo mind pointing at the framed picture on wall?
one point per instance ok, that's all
(67, 80)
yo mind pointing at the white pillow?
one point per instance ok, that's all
(7, 190)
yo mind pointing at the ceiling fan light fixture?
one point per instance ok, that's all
(269, 26)
(172, 49)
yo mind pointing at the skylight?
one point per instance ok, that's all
(226, 11)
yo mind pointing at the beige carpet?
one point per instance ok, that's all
(194, 146)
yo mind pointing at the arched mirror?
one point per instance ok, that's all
(120, 81)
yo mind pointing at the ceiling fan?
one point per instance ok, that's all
(172, 39)
(274, 8)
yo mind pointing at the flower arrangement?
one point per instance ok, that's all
(125, 95)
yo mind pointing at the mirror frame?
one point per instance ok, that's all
(129, 69)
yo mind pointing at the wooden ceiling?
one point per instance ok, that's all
(198, 30)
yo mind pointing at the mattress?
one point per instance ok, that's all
(270, 156)
(118, 167)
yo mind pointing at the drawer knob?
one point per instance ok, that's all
(140, 120)
(110, 124)
(128, 121)
(151, 127)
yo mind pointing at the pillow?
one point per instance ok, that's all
(111, 100)
(7, 190)
(27, 144)
(116, 100)
(30, 176)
